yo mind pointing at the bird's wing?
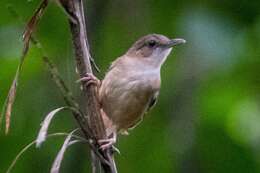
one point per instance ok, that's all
(152, 101)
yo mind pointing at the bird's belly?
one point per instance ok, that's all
(126, 103)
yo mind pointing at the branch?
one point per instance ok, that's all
(82, 56)
(75, 9)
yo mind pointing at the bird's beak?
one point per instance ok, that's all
(176, 41)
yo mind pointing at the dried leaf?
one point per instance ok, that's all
(11, 98)
(57, 162)
(7, 108)
(32, 24)
(9, 101)
(45, 124)
(74, 142)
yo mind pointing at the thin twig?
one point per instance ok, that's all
(66, 93)
(34, 142)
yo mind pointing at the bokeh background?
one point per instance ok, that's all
(207, 119)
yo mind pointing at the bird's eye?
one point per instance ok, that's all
(152, 43)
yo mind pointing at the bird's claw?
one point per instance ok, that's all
(89, 79)
(115, 150)
(107, 143)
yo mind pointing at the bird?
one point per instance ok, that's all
(132, 84)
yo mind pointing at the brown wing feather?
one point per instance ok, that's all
(152, 102)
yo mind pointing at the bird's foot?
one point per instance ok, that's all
(89, 79)
(106, 143)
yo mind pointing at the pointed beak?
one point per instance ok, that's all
(176, 41)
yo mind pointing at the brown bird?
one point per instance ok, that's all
(131, 85)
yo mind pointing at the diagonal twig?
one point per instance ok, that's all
(33, 143)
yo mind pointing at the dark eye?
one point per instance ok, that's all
(152, 43)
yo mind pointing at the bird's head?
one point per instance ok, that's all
(153, 49)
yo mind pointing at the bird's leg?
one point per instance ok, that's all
(90, 79)
(107, 143)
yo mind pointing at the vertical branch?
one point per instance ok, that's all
(82, 56)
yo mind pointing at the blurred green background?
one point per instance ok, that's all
(207, 119)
